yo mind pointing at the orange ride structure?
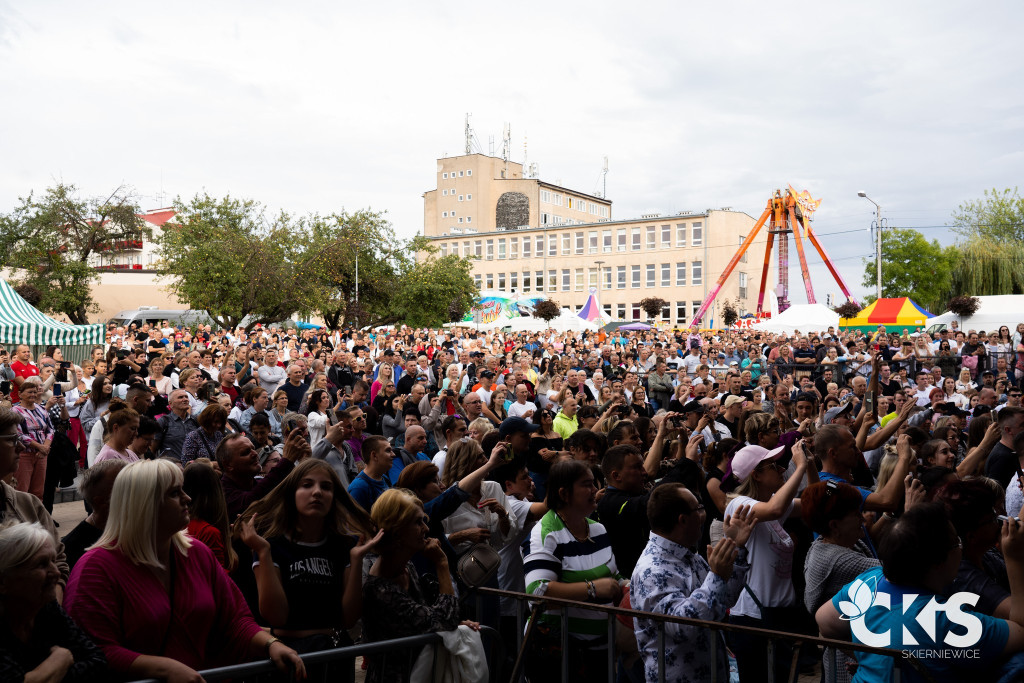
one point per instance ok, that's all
(788, 212)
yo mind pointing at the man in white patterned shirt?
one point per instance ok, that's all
(670, 578)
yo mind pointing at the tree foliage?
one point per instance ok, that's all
(435, 291)
(912, 266)
(730, 312)
(653, 306)
(984, 270)
(47, 242)
(225, 257)
(997, 218)
(964, 306)
(848, 310)
(547, 310)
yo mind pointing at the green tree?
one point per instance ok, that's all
(912, 266)
(436, 290)
(227, 258)
(983, 270)
(335, 242)
(999, 217)
(48, 242)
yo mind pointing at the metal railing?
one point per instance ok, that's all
(264, 669)
(539, 604)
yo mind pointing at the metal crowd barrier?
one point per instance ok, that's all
(545, 602)
(264, 669)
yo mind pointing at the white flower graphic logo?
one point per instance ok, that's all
(862, 596)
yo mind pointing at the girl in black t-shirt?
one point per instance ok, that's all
(308, 561)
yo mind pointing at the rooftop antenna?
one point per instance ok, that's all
(506, 146)
(490, 145)
(525, 165)
(469, 135)
(604, 179)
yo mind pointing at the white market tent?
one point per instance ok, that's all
(23, 323)
(567, 321)
(993, 311)
(803, 317)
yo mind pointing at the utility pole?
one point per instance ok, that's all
(878, 241)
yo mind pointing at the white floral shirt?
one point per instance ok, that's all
(672, 579)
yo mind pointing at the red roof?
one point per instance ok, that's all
(158, 217)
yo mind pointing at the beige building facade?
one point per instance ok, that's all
(677, 258)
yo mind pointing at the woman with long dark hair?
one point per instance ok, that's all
(98, 402)
(309, 538)
(208, 512)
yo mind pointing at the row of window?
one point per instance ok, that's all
(683, 310)
(468, 197)
(569, 279)
(594, 242)
(446, 214)
(452, 174)
(549, 197)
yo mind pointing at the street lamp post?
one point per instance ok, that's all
(878, 240)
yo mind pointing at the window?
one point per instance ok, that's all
(461, 174)
(694, 307)
(545, 196)
(620, 278)
(606, 241)
(469, 219)
(579, 243)
(666, 235)
(743, 259)
(478, 248)
(490, 250)
(477, 280)
(666, 311)
(636, 311)
(460, 197)
(696, 273)
(469, 172)
(636, 239)
(680, 313)
(465, 248)
(538, 281)
(526, 247)
(444, 214)
(445, 176)
(743, 285)
(620, 311)
(650, 274)
(469, 197)
(680, 234)
(501, 249)
(593, 241)
(607, 284)
(552, 245)
(444, 250)
(681, 274)
(579, 279)
(592, 278)
(608, 310)
(566, 244)
(621, 237)
(455, 248)
(490, 280)
(501, 280)
(539, 251)
(444, 193)
(697, 236)
(545, 218)
(634, 273)
(526, 281)
(566, 280)
(552, 280)
(460, 221)
(651, 236)
(513, 280)
(453, 213)
(666, 274)
(514, 248)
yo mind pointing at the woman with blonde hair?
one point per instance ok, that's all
(172, 610)
(120, 432)
(478, 429)
(394, 601)
(385, 375)
(309, 564)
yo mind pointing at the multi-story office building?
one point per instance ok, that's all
(530, 237)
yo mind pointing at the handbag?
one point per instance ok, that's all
(479, 565)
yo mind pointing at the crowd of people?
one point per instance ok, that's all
(270, 493)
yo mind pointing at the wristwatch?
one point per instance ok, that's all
(591, 591)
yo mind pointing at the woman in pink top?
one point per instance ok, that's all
(121, 429)
(158, 605)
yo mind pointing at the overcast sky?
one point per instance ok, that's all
(315, 106)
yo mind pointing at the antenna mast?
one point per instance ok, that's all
(604, 180)
(506, 146)
(469, 135)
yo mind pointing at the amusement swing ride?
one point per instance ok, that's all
(788, 212)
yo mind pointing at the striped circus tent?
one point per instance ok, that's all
(23, 323)
(898, 313)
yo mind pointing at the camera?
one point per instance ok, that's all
(5, 387)
(122, 354)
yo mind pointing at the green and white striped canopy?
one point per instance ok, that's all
(23, 323)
